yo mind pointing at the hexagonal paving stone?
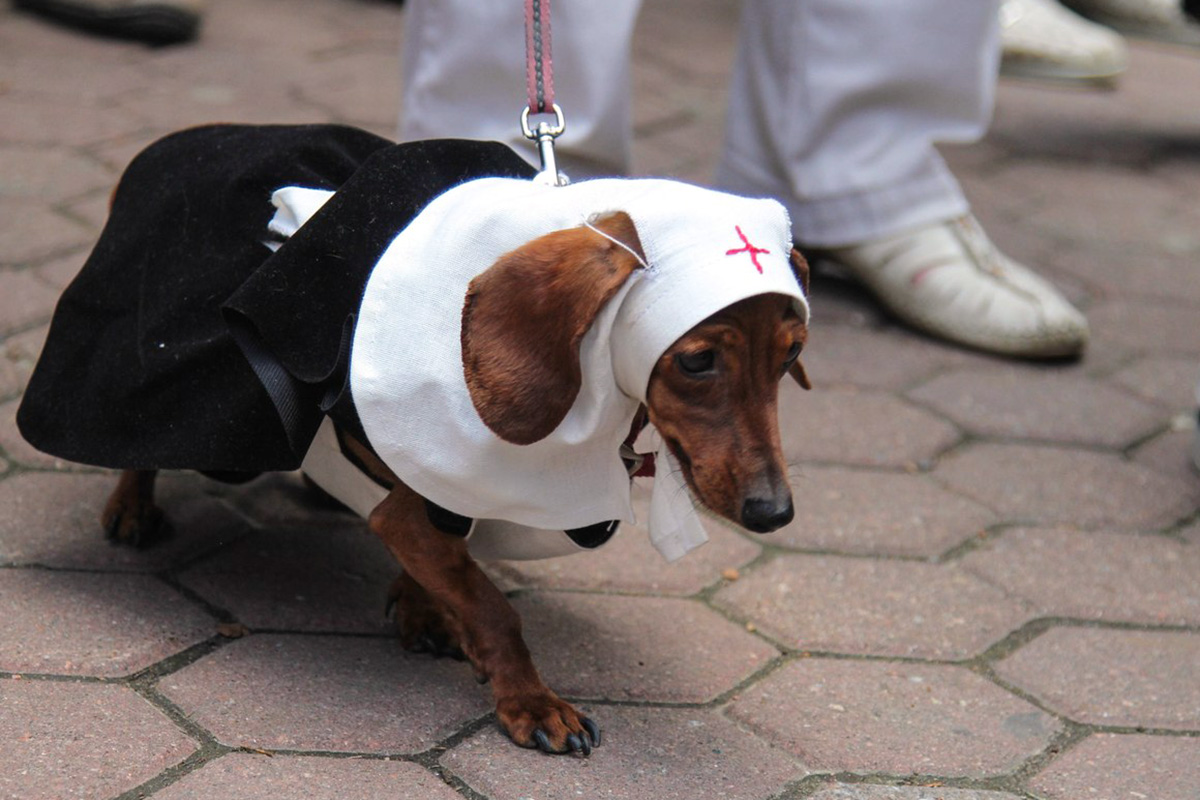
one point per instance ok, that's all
(81, 740)
(629, 563)
(1108, 576)
(1164, 379)
(1053, 406)
(897, 718)
(1121, 208)
(24, 300)
(252, 776)
(1110, 766)
(61, 271)
(861, 428)
(863, 791)
(42, 120)
(862, 606)
(1103, 676)
(73, 623)
(1050, 485)
(1145, 326)
(326, 579)
(336, 89)
(53, 520)
(1170, 453)
(18, 354)
(44, 173)
(878, 513)
(327, 693)
(34, 230)
(1162, 276)
(666, 754)
(636, 648)
(843, 355)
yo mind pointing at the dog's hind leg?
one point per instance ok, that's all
(130, 515)
(485, 625)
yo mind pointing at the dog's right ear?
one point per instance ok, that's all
(525, 316)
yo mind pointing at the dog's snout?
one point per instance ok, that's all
(763, 515)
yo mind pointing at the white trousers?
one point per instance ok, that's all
(834, 109)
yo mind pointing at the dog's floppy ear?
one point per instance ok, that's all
(799, 375)
(800, 267)
(525, 316)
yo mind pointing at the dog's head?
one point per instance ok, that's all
(712, 394)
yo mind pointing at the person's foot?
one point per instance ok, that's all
(1170, 21)
(1040, 39)
(148, 21)
(949, 280)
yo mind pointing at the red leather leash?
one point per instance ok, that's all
(539, 66)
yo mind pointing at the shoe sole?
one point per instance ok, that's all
(151, 24)
(1042, 71)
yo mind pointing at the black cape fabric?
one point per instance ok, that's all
(161, 352)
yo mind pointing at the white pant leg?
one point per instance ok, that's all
(464, 76)
(835, 106)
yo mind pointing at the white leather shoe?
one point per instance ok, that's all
(1161, 20)
(1041, 39)
(949, 280)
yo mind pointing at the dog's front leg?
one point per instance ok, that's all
(487, 627)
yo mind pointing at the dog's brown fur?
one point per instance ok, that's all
(523, 322)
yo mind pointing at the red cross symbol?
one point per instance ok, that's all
(749, 248)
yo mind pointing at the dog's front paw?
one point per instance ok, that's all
(544, 721)
(132, 523)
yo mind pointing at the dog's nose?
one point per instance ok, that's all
(763, 515)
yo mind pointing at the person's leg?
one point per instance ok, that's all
(835, 108)
(464, 76)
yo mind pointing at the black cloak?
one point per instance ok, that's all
(184, 343)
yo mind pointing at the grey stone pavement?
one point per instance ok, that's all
(991, 590)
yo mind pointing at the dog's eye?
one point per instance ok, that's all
(792, 354)
(696, 363)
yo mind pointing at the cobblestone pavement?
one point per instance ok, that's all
(991, 590)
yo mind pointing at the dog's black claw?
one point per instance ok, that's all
(593, 731)
(585, 744)
(574, 743)
(543, 741)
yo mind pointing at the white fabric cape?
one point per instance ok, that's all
(704, 251)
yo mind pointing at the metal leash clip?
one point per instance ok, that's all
(545, 135)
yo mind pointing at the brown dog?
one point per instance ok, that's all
(712, 396)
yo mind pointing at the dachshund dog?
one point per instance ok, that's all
(712, 396)
(232, 358)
